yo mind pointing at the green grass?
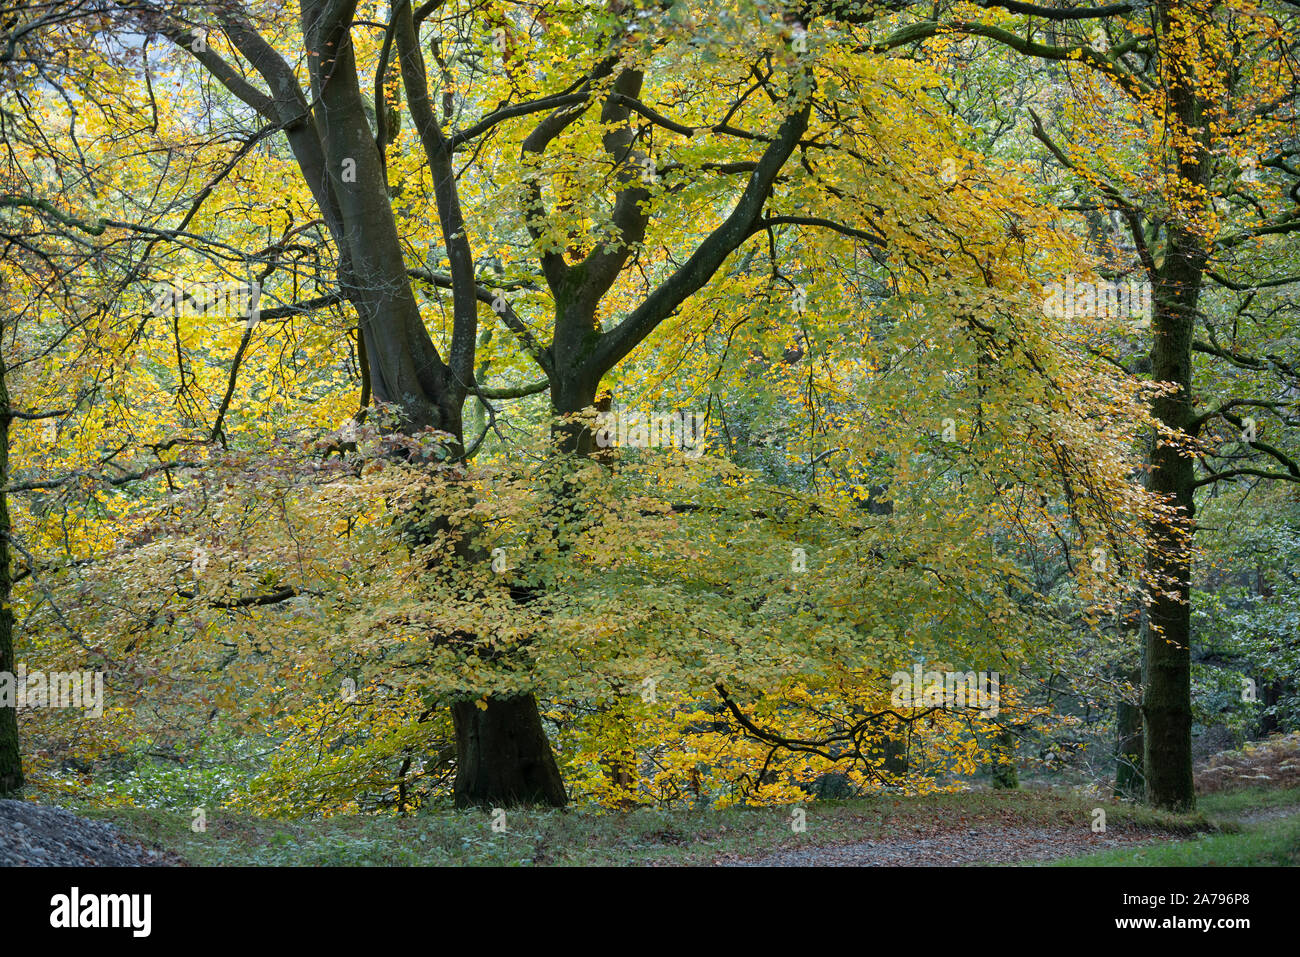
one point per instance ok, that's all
(1270, 843)
(1235, 803)
(1240, 841)
(586, 837)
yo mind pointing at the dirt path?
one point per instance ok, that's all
(956, 847)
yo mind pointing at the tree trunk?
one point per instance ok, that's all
(571, 395)
(1167, 629)
(1129, 781)
(1271, 694)
(503, 758)
(11, 759)
(893, 747)
(1005, 776)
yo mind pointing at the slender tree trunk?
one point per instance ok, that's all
(1005, 776)
(11, 759)
(1129, 782)
(1271, 694)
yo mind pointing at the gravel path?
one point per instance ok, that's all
(33, 835)
(990, 845)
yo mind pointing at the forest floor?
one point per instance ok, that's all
(1248, 813)
(973, 827)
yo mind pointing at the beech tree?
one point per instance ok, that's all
(504, 755)
(602, 196)
(1201, 207)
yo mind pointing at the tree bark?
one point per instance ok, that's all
(503, 758)
(11, 758)
(1003, 750)
(1129, 781)
(1167, 628)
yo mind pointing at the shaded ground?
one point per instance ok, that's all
(1243, 791)
(1240, 826)
(967, 827)
(34, 835)
(948, 848)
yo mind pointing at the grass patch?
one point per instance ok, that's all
(1270, 843)
(1235, 803)
(1239, 842)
